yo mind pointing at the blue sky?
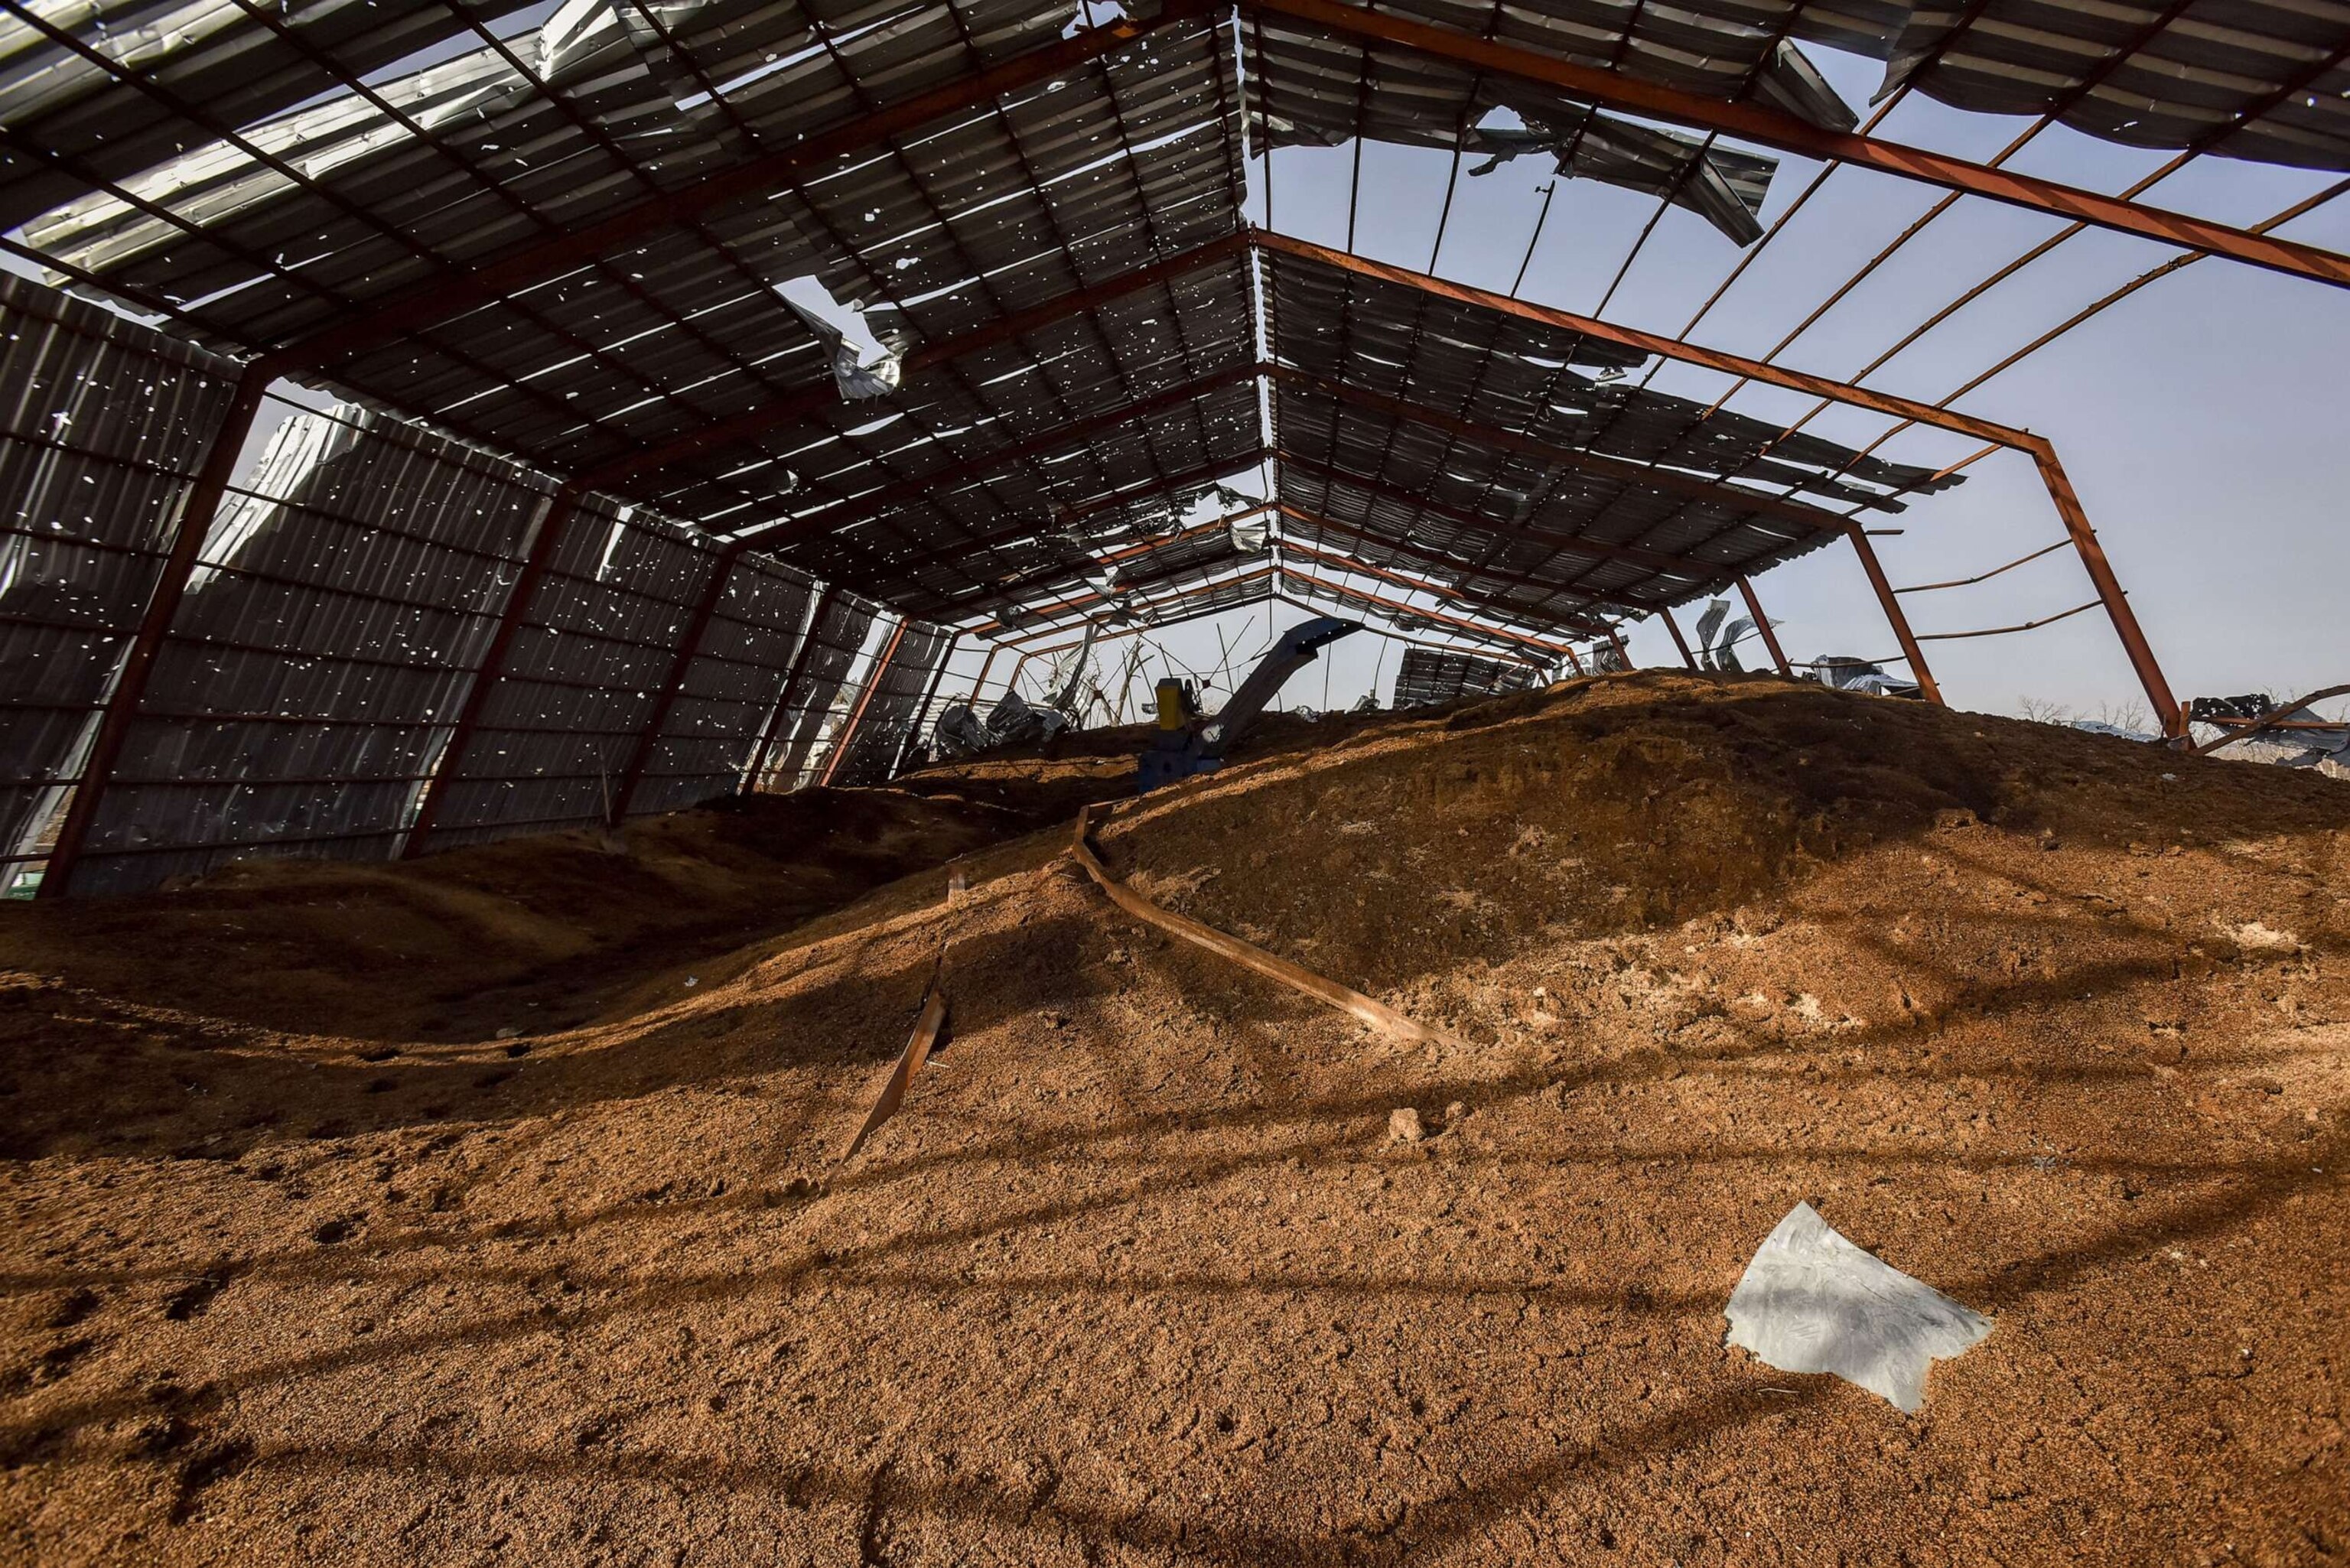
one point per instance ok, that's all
(2204, 419)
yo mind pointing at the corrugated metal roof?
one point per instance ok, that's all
(1425, 678)
(1049, 241)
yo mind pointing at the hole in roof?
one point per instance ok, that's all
(1093, 14)
(862, 364)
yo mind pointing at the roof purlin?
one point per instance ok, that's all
(497, 281)
(1773, 129)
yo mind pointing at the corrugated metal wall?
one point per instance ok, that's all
(311, 684)
(345, 593)
(581, 679)
(103, 425)
(887, 708)
(730, 690)
(809, 706)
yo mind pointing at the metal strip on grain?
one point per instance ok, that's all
(1364, 1010)
(918, 1044)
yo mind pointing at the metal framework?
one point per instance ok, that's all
(1042, 223)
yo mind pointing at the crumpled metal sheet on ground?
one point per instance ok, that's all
(1813, 1301)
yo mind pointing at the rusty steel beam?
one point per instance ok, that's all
(1818, 520)
(2043, 454)
(561, 507)
(1910, 649)
(753, 180)
(1656, 560)
(864, 701)
(792, 673)
(1406, 581)
(1215, 468)
(1325, 523)
(1617, 642)
(922, 711)
(1380, 629)
(1762, 625)
(1056, 572)
(205, 494)
(689, 647)
(1771, 128)
(2110, 588)
(1274, 594)
(1152, 547)
(1153, 606)
(1469, 628)
(1885, 403)
(1666, 614)
(985, 665)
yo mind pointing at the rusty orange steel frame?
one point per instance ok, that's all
(1774, 129)
(1273, 594)
(2044, 460)
(754, 178)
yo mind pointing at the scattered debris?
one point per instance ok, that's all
(928, 1025)
(1813, 1301)
(2256, 936)
(1403, 1125)
(1375, 1014)
(1846, 673)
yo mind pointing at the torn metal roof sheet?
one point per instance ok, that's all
(1425, 678)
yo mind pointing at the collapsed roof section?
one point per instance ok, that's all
(1425, 678)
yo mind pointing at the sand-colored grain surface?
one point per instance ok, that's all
(303, 1262)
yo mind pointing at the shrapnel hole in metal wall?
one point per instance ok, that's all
(339, 611)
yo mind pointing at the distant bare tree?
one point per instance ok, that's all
(2125, 716)
(2040, 710)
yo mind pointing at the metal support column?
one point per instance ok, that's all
(1678, 640)
(1617, 642)
(1885, 597)
(985, 665)
(552, 522)
(784, 694)
(203, 504)
(1573, 662)
(689, 644)
(1762, 625)
(2166, 711)
(922, 712)
(864, 700)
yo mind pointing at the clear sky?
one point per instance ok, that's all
(2205, 420)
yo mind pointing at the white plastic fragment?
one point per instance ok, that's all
(1813, 1301)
